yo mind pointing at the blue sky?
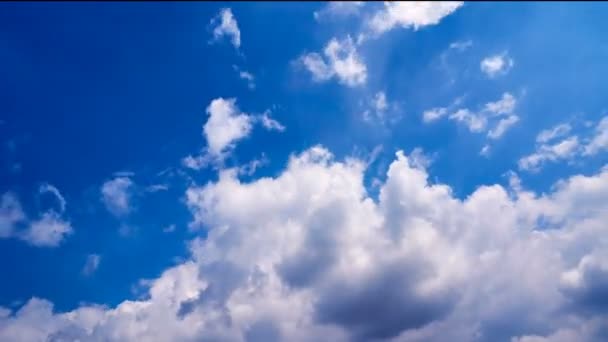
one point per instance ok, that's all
(158, 158)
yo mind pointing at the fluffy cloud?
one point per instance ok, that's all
(555, 132)
(225, 126)
(226, 26)
(49, 230)
(308, 255)
(496, 65)
(434, 114)
(116, 195)
(415, 14)
(341, 61)
(378, 109)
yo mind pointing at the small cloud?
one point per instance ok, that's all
(415, 14)
(270, 123)
(563, 150)
(250, 168)
(502, 126)
(245, 75)
(496, 65)
(48, 231)
(339, 9)
(169, 229)
(555, 132)
(599, 141)
(434, 114)
(48, 188)
(341, 60)
(157, 188)
(91, 264)
(461, 45)
(116, 195)
(485, 151)
(226, 25)
(11, 214)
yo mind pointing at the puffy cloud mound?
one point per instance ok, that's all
(308, 255)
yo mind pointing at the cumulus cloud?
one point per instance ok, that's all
(226, 125)
(339, 9)
(415, 14)
(116, 195)
(496, 65)
(225, 25)
(308, 255)
(49, 230)
(91, 264)
(341, 61)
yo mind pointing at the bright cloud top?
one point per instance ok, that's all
(496, 65)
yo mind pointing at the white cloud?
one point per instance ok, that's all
(339, 9)
(341, 60)
(485, 150)
(379, 106)
(477, 122)
(270, 123)
(496, 65)
(48, 231)
(250, 168)
(555, 132)
(416, 14)
(599, 141)
(53, 190)
(245, 75)
(91, 264)
(116, 195)
(563, 150)
(308, 255)
(502, 126)
(226, 25)
(226, 125)
(11, 214)
(461, 45)
(504, 106)
(474, 121)
(434, 114)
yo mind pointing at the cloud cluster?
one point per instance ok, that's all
(557, 144)
(308, 255)
(501, 113)
(49, 230)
